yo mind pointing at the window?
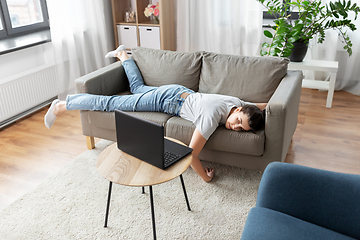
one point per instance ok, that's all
(19, 17)
(267, 15)
(2, 30)
(268, 18)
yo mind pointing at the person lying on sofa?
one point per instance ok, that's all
(206, 111)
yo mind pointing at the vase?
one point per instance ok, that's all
(129, 15)
(298, 51)
(154, 19)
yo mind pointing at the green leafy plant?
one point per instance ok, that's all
(314, 18)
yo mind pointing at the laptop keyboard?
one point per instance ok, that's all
(169, 157)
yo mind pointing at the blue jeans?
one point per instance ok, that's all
(143, 99)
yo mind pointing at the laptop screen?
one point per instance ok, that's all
(140, 138)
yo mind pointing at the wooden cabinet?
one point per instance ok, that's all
(143, 32)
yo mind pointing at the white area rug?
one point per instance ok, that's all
(72, 203)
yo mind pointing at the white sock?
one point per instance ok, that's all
(50, 118)
(113, 53)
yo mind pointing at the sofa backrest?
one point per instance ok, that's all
(161, 67)
(252, 79)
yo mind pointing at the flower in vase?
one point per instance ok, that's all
(156, 12)
(147, 12)
(152, 10)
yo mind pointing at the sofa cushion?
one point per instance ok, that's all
(252, 79)
(106, 120)
(161, 67)
(221, 140)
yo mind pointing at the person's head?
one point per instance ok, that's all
(246, 118)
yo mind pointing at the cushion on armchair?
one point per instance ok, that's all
(252, 79)
(325, 202)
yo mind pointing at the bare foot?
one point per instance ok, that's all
(210, 172)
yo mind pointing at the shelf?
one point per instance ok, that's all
(316, 84)
(149, 24)
(139, 24)
(126, 23)
(166, 27)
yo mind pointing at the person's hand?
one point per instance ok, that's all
(210, 172)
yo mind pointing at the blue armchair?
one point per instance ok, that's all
(296, 202)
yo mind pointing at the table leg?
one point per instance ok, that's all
(108, 205)
(186, 198)
(152, 211)
(331, 90)
(143, 190)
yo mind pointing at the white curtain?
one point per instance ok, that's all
(81, 32)
(348, 76)
(222, 26)
(234, 27)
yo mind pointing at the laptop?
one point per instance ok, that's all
(145, 140)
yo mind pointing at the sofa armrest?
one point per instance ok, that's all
(281, 116)
(108, 80)
(327, 199)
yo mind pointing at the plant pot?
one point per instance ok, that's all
(298, 52)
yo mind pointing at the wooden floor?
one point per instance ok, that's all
(325, 138)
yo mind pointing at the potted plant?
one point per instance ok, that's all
(314, 17)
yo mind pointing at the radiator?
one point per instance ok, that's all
(26, 92)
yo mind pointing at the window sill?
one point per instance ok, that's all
(29, 40)
(268, 23)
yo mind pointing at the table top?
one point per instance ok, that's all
(320, 65)
(121, 168)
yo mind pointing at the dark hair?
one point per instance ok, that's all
(255, 115)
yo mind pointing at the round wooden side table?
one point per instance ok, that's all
(121, 168)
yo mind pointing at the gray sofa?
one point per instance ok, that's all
(253, 79)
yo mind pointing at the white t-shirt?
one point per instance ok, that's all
(208, 111)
